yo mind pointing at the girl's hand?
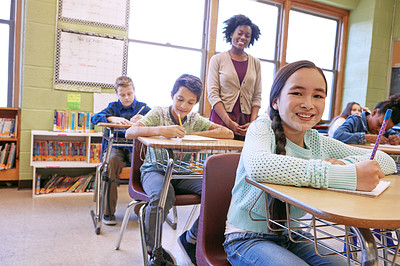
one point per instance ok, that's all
(372, 138)
(172, 131)
(393, 140)
(136, 118)
(334, 161)
(368, 175)
(118, 120)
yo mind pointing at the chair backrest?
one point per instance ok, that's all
(135, 186)
(219, 175)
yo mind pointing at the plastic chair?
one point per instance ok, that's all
(138, 195)
(219, 175)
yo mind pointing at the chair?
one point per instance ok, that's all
(138, 195)
(219, 175)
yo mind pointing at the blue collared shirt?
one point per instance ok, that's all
(117, 109)
(353, 130)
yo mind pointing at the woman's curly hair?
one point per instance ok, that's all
(239, 20)
(393, 102)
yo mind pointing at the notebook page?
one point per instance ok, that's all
(382, 186)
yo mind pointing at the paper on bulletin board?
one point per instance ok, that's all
(73, 101)
(101, 100)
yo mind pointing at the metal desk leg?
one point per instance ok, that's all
(161, 205)
(369, 253)
(100, 183)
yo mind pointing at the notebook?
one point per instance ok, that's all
(382, 186)
(194, 138)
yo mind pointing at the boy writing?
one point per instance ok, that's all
(359, 129)
(164, 121)
(125, 111)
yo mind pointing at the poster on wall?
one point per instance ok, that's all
(85, 60)
(103, 13)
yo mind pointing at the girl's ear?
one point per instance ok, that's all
(275, 105)
(374, 112)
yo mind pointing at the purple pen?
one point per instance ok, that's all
(383, 127)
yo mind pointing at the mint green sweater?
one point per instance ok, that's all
(303, 167)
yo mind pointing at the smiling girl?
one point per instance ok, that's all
(285, 150)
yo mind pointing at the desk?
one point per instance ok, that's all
(390, 149)
(169, 164)
(381, 213)
(114, 140)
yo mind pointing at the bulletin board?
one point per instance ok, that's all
(84, 60)
(103, 13)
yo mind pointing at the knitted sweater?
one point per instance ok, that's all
(299, 167)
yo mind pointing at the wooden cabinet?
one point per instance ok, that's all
(46, 162)
(10, 119)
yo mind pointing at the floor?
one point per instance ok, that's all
(58, 230)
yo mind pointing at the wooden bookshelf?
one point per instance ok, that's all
(63, 167)
(11, 174)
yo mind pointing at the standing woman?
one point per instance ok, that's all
(234, 78)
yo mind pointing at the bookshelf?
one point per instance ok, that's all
(10, 139)
(45, 165)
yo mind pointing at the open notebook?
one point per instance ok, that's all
(194, 138)
(374, 193)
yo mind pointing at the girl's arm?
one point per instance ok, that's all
(139, 130)
(216, 131)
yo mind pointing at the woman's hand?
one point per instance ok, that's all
(118, 120)
(368, 175)
(237, 130)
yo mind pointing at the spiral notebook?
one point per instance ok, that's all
(382, 186)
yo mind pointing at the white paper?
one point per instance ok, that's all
(382, 186)
(101, 100)
(194, 138)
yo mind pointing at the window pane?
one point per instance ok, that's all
(155, 76)
(311, 37)
(4, 36)
(263, 15)
(5, 6)
(328, 100)
(177, 22)
(267, 73)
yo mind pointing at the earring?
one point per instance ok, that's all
(275, 106)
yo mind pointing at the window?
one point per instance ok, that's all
(163, 45)
(313, 33)
(6, 52)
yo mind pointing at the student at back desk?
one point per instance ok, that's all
(364, 128)
(125, 111)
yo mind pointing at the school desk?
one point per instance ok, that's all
(113, 135)
(389, 149)
(175, 168)
(341, 208)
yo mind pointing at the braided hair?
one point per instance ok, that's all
(276, 207)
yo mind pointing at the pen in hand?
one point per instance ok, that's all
(140, 109)
(381, 132)
(179, 118)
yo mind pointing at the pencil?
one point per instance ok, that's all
(383, 127)
(140, 109)
(180, 121)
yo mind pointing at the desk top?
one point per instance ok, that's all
(220, 144)
(113, 125)
(343, 208)
(391, 149)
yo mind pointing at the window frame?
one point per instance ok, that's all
(305, 6)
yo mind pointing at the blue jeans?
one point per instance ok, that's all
(152, 184)
(269, 249)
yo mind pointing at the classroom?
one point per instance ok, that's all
(63, 57)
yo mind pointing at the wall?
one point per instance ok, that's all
(369, 51)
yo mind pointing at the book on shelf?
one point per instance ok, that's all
(69, 121)
(7, 127)
(61, 184)
(4, 155)
(11, 156)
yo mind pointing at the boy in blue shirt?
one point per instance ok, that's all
(164, 121)
(125, 111)
(359, 129)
